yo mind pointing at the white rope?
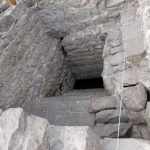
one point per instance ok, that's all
(121, 100)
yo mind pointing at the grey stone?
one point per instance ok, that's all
(125, 144)
(116, 49)
(109, 84)
(136, 132)
(1, 111)
(80, 106)
(19, 131)
(148, 115)
(137, 118)
(110, 116)
(59, 118)
(6, 23)
(102, 103)
(137, 101)
(82, 119)
(15, 125)
(140, 132)
(111, 130)
(130, 77)
(117, 59)
(131, 15)
(3, 6)
(120, 67)
(114, 3)
(135, 48)
(80, 138)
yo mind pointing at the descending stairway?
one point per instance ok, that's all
(70, 109)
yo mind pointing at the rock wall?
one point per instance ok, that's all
(31, 62)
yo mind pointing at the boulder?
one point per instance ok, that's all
(110, 116)
(102, 103)
(125, 144)
(22, 132)
(130, 77)
(19, 131)
(135, 97)
(111, 130)
(73, 138)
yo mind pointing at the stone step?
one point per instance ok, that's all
(64, 113)
(74, 97)
(65, 110)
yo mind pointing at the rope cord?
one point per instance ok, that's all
(121, 100)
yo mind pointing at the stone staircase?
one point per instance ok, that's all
(90, 107)
(70, 109)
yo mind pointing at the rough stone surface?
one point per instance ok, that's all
(125, 144)
(102, 103)
(140, 132)
(137, 118)
(111, 130)
(148, 115)
(129, 79)
(113, 3)
(18, 131)
(135, 97)
(110, 116)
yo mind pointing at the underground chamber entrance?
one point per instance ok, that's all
(89, 83)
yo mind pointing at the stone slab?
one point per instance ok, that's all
(80, 106)
(111, 130)
(130, 77)
(110, 116)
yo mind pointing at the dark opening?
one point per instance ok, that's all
(89, 84)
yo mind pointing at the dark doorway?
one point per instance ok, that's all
(89, 84)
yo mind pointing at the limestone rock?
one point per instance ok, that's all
(111, 130)
(125, 144)
(102, 103)
(130, 77)
(110, 116)
(135, 97)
